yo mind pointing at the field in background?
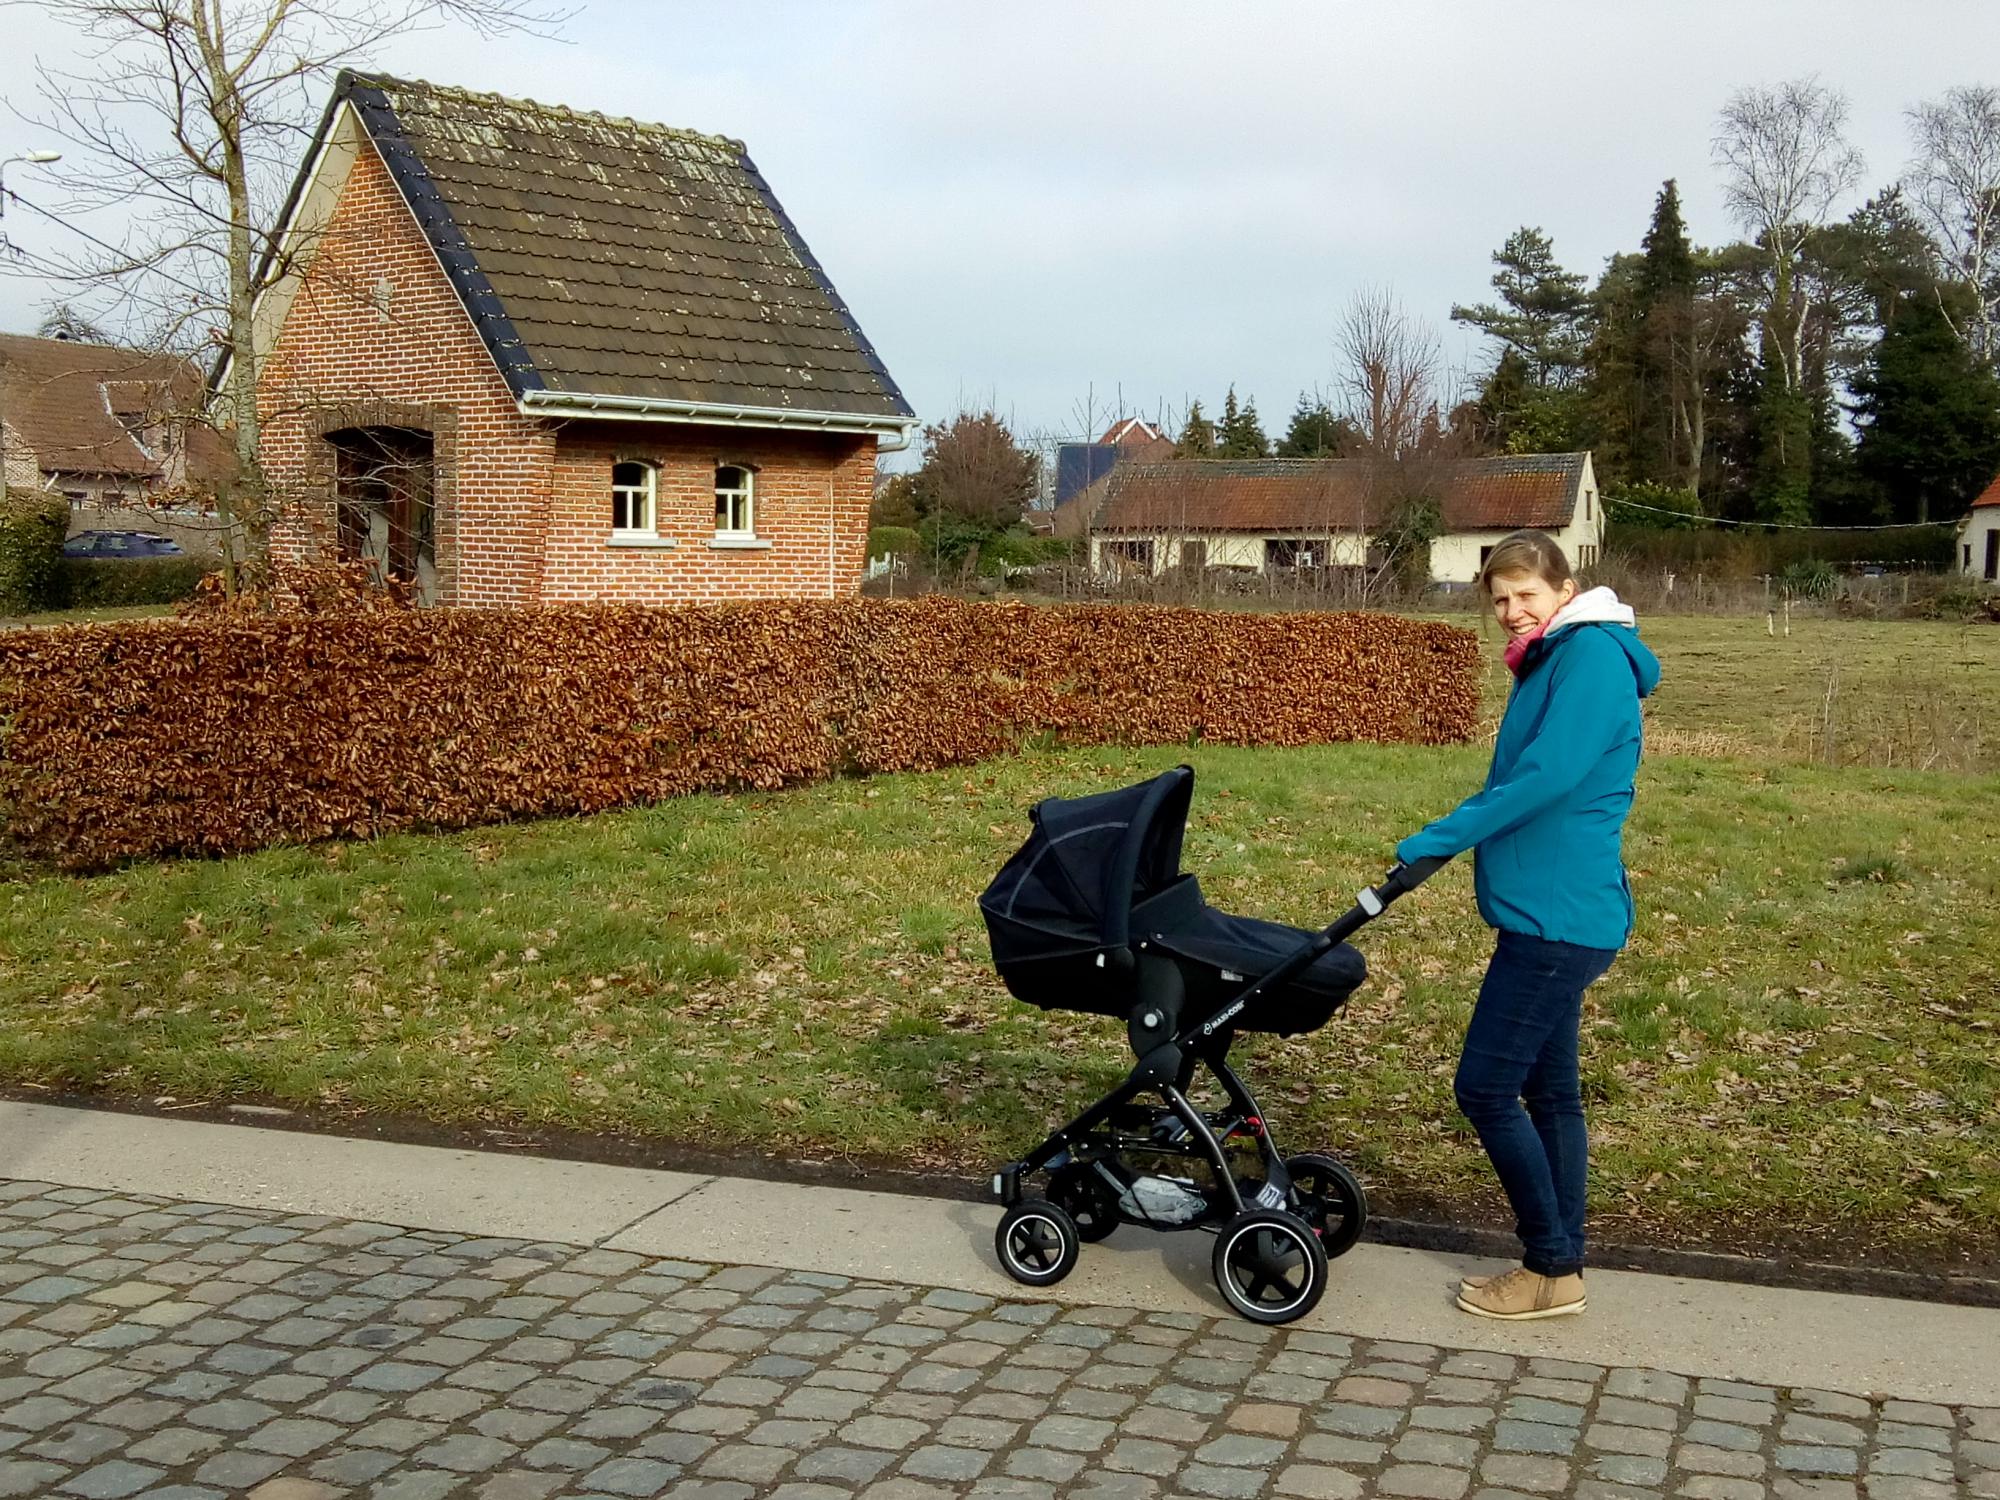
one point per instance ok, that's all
(1888, 694)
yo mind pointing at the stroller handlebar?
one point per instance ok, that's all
(1371, 902)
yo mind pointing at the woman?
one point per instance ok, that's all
(1547, 868)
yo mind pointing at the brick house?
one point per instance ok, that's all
(116, 432)
(531, 355)
(1272, 514)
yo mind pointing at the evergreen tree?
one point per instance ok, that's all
(1197, 439)
(1315, 432)
(1929, 413)
(1664, 315)
(1614, 392)
(1241, 435)
(1781, 483)
(1544, 313)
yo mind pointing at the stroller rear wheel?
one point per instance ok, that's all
(1328, 1197)
(1088, 1200)
(1037, 1242)
(1269, 1266)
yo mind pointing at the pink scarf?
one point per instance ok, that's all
(1517, 647)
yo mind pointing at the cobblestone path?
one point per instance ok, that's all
(182, 1350)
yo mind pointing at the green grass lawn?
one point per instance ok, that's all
(1892, 694)
(47, 618)
(1802, 1036)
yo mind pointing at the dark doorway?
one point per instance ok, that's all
(384, 479)
(1993, 556)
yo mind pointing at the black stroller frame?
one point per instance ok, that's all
(1278, 1220)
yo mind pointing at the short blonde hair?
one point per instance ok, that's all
(1533, 552)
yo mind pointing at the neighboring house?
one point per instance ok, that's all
(1081, 469)
(1979, 536)
(530, 354)
(1271, 514)
(114, 431)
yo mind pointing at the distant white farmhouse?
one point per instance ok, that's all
(1271, 514)
(1979, 536)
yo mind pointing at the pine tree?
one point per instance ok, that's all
(1315, 432)
(1241, 435)
(1929, 413)
(1545, 311)
(1663, 306)
(1197, 439)
(1781, 482)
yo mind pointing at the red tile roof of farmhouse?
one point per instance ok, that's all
(609, 258)
(1988, 496)
(1310, 495)
(77, 406)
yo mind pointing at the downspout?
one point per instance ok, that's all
(896, 444)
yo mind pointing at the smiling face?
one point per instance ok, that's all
(1523, 602)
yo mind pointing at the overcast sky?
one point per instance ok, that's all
(1025, 201)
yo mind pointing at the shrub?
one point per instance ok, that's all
(946, 539)
(32, 527)
(1962, 599)
(1647, 506)
(214, 733)
(894, 541)
(103, 583)
(1810, 578)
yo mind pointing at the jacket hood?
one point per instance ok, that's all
(1602, 607)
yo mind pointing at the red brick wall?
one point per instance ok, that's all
(524, 505)
(812, 496)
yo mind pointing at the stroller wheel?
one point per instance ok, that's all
(1269, 1266)
(1037, 1242)
(1328, 1197)
(1088, 1200)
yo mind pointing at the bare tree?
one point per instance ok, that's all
(1388, 373)
(1954, 180)
(1393, 386)
(1785, 162)
(190, 115)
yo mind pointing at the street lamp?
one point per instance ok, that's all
(33, 158)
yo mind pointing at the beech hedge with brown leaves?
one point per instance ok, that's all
(211, 735)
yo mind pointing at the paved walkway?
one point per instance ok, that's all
(151, 1345)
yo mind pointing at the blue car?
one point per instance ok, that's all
(120, 544)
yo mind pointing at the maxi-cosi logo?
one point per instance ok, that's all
(1216, 1022)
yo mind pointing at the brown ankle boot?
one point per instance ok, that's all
(1521, 1295)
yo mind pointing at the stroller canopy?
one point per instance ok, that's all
(1099, 870)
(1071, 888)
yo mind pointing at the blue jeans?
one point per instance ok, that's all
(1521, 1048)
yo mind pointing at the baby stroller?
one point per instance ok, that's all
(1093, 914)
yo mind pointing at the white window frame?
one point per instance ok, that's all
(646, 494)
(746, 494)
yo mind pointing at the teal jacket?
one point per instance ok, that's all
(1547, 829)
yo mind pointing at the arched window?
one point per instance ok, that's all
(735, 501)
(632, 498)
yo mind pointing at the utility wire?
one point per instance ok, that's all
(14, 197)
(1665, 510)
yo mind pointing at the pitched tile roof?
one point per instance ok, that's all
(605, 257)
(65, 400)
(1988, 496)
(1308, 496)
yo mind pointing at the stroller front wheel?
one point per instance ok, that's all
(1269, 1266)
(1328, 1197)
(1037, 1242)
(1088, 1200)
